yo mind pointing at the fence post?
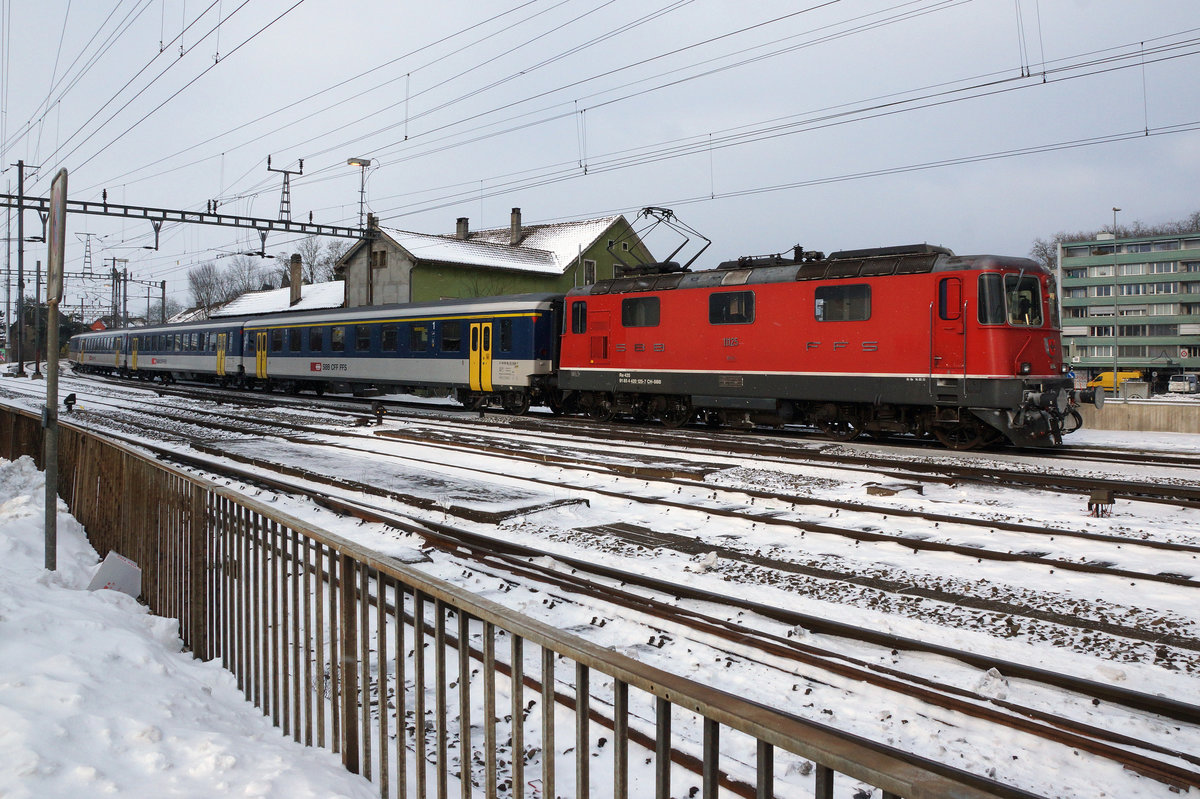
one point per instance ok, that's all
(349, 658)
(198, 574)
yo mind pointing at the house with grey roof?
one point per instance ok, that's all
(401, 266)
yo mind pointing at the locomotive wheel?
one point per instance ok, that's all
(840, 429)
(966, 435)
(516, 403)
(601, 410)
(677, 413)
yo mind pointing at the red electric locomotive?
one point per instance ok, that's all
(894, 340)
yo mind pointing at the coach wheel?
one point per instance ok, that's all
(516, 402)
(319, 388)
(677, 413)
(967, 435)
(840, 429)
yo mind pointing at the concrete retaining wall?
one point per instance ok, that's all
(1148, 415)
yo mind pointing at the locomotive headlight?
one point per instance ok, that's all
(1026, 367)
(1064, 368)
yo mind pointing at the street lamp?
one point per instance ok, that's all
(362, 163)
(1116, 310)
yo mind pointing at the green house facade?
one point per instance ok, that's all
(1150, 288)
(402, 266)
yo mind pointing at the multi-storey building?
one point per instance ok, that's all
(1139, 295)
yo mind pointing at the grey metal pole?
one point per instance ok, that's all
(20, 265)
(37, 324)
(1116, 310)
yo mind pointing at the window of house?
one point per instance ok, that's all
(843, 303)
(452, 336)
(731, 308)
(639, 312)
(337, 338)
(589, 272)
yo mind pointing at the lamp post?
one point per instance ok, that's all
(1116, 310)
(362, 163)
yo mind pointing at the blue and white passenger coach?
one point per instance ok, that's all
(492, 350)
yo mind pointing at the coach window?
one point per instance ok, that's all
(362, 338)
(294, 340)
(506, 335)
(418, 338)
(277, 340)
(337, 338)
(731, 308)
(179, 342)
(991, 300)
(316, 339)
(388, 338)
(639, 312)
(843, 303)
(579, 317)
(452, 336)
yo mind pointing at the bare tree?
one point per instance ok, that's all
(174, 306)
(244, 275)
(334, 250)
(207, 285)
(310, 258)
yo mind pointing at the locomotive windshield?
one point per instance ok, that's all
(1015, 299)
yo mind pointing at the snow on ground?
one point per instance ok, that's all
(97, 698)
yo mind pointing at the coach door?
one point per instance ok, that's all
(481, 356)
(133, 348)
(260, 354)
(947, 329)
(221, 339)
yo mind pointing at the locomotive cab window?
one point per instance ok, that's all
(843, 303)
(731, 308)
(639, 312)
(1024, 296)
(579, 317)
(950, 298)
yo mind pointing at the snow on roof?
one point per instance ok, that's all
(318, 295)
(547, 249)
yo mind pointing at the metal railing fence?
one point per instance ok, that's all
(422, 687)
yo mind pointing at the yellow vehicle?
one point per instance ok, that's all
(1104, 380)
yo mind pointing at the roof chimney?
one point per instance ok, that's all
(295, 279)
(514, 231)
(460, 228)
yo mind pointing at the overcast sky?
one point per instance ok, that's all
(762, 123)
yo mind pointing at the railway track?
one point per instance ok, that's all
(672, 615)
